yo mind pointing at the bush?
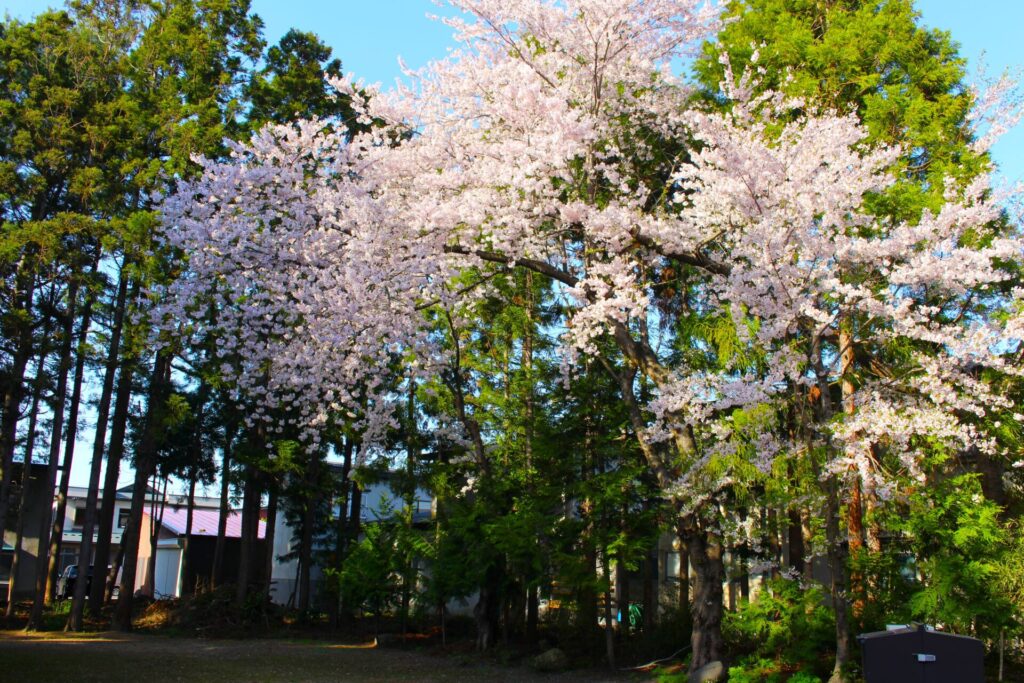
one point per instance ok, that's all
(782, 634)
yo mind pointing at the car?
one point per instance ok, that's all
(68, 578)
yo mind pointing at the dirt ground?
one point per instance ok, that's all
(115, 657)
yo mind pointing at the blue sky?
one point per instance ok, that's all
(369, 37)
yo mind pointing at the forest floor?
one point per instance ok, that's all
(115, 657)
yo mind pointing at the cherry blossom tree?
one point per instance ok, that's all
(560, 140)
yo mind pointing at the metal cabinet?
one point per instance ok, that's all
(920, 655)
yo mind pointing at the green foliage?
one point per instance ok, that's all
(963, 549)
(786, 628)
(873, 56)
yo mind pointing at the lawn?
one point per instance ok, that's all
(115, 657)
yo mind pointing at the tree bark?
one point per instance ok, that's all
(56, 428)
(145, 466)
(341, 526)
(249, 519)
(706, 559)
(157, 519)
(26, 475)
(14, 390)
(88, 527)
(306, 540)
(57, 528)
(188, 582)
(609, 612)
(217, 573)
(115, 451)
(268, 539)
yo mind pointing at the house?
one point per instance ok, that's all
(376, 499)
(167, 512)
(25, 581)
(171, 576)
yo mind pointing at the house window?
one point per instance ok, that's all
(672, 566)
(78, 521)
(122, 517)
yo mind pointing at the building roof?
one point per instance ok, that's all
(204, 522)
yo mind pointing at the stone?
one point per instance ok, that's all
(712, 672)
(551, 660)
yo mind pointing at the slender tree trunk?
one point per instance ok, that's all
(118, 563)
(157, 520)
(650, 569)
(609, 612)
(26, 475)
(837, 570)
(14, 390)
(56, 428)
(794, 532)
(249, 519)
(217, 575)
(622, 586)
(115, 451)
(532, 614)
(188, 582)
(854, 506)
(306, 540)
(88, 527)
(341, 527)
(684, 577)
(57, 528)
(145, 466)
(268, 539)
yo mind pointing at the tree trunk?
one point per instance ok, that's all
(684, 578)
(115, 450)
(795, 535)
(88, 527)
(486, 610)
(145, 466)
(650, 568)
(35, 619)
(341, 527)
(532, 614)
(217, 574)
(157, 520)
(249, 519)
(268, 539)
(306, 540)
(26, 475)
(188, 582)
(609, 612)
(622, 592)
(14, 390)
(706, 558)
(57, 528)
(837, 570)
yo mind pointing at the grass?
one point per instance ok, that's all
(114, 657)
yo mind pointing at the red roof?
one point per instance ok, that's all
(204, 522)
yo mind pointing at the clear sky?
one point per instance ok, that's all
(369, 37)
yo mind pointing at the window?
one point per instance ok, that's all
(672, 566)
(122, 518)
(78, 521)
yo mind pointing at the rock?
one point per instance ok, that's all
(709, 673)
(551, 660)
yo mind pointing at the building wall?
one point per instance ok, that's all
(35, 500)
